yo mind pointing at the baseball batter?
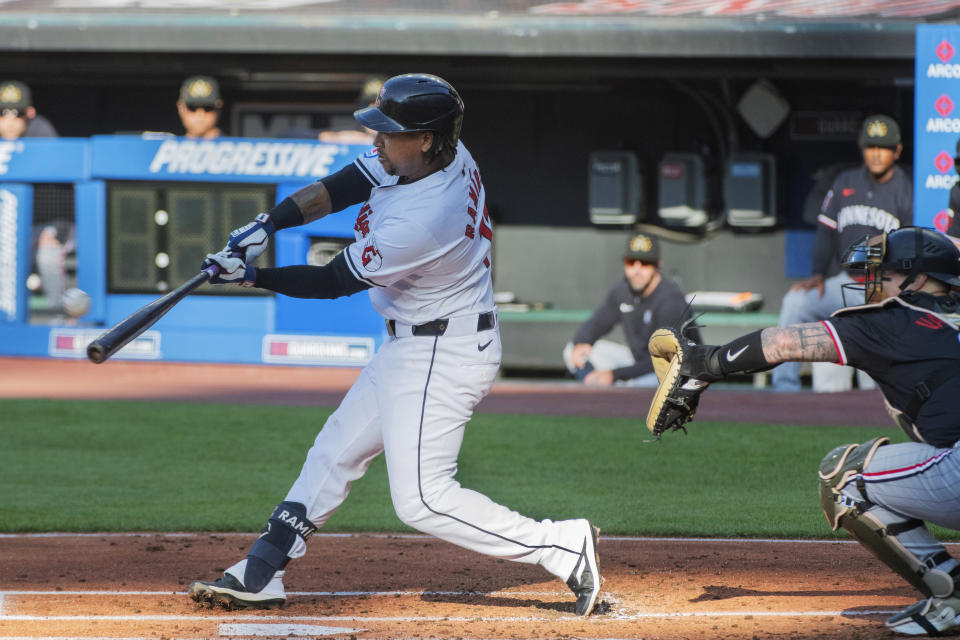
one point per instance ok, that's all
(906, 336)
(422, 250)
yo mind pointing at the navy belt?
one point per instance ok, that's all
(438, 327)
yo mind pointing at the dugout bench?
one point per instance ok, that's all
(533, 340)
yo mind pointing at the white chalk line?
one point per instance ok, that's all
(414, 536)
(599, 619)
(286, 630)
(327, 594)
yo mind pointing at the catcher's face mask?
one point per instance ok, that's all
(863, 260)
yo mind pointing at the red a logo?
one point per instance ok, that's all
(930, 322)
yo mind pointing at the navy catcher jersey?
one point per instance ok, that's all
(857, 206)
(901, 344)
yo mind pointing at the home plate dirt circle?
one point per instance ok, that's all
(409, 586)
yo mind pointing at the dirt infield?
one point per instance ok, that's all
(376, 586)
(370, 586)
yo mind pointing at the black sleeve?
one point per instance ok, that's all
(346, 187)
(304, 281)
(867, 338)
(601, 322)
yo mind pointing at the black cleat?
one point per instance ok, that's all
(228, 592)
(585, 580)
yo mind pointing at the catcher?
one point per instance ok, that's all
(905, 333)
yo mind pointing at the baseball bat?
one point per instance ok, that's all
(111, 341)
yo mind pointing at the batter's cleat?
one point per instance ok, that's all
(585, 580)
(228, 592)
(927, 617)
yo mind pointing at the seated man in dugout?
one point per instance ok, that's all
(643, 300)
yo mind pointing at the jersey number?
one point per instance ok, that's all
(478, 224)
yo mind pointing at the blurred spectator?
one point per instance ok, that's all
(50, 254)
(642, 302)
(199, 107)
(874, 198)
(356, 134)
(18, 116)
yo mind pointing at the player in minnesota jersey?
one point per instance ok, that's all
(872, 199)
(422, 250)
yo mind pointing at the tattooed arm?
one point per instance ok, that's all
(809, 342)
(759, 351)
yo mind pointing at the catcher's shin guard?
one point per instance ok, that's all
(271, 552)
(837, 469)
(844, 465)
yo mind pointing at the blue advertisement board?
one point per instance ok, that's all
(219, 160)
(223, 328)
(15, 208)
(45, 160)
(936, 123)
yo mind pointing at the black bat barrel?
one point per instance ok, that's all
(111, 341)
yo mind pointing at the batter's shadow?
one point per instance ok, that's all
(485, 600)
(722, 592)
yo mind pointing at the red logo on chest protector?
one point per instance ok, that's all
(848, 192)
(930, 322)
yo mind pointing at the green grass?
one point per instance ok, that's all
(131, 466)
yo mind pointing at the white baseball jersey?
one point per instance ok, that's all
(424, 246)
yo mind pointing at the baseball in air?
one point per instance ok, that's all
(76, 302)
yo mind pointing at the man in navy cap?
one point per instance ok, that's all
(18, 116)
(199, 107)
(641, 301)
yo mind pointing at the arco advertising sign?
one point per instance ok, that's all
(936, 123)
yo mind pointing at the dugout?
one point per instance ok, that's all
(547, 84)
(141, 213)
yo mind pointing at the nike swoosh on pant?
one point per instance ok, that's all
(482, 347)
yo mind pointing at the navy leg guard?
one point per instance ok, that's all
(269, 553)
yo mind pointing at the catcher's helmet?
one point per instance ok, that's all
(909, 250)
(415, 102)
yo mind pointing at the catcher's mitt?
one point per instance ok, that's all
(677, 397)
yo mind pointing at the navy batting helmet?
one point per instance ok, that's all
(415, 102)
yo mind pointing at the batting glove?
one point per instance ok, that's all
(251, 239)
(232, 270)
